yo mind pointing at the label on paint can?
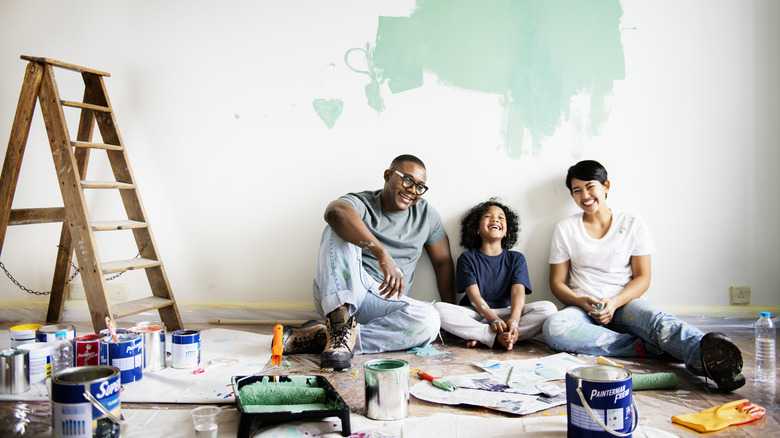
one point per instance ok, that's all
(185, 348)
(127, 355)
(73, 415)
(87, 350)
(40, 360)
(23, 334)
(50, 333)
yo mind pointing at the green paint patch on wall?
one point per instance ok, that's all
(536, 54)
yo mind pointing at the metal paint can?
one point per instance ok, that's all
(85, 402)
(40, 360)
(185, 348)
(23, 334)
(387, 389)
(153, 334)
(599, 402)
(87, 350)
(127, 354)
(14, 371)
(50, 333)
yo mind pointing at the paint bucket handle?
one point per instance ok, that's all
(601, 423)
(103, 410)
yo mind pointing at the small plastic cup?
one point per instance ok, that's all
(206, 421)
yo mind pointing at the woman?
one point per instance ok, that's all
(599, 269)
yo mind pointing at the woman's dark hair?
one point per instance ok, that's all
(469, 225)
(586, 170)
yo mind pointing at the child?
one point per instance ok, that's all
(495, 280)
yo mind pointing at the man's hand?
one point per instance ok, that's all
(393, 283)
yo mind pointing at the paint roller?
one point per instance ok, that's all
(279, 393)
(641, 382)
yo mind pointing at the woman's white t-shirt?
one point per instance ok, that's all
(600, 268)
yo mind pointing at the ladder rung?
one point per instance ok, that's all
(133, 307)
(84, 105)
(106, 185)
(86, 144)
(129, 265)
(27, 216)
(117, 225)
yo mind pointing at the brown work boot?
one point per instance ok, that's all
(309, 338)
(342, 333)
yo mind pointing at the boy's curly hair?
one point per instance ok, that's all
(469, 225)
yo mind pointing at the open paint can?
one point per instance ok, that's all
(599, 403)
(14, 371)
(185, 348)
(85, 402)
(387, 389)
(153, 334)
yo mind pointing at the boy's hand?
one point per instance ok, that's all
(498, 326)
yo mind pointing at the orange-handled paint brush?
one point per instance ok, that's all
(277, 348)
(447, 386)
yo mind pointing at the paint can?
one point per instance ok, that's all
(185, 348)
(40, 360)
(387, 389)
(127, 354)
(23, 334)
(87, 350)
(14, 371)
(599, 402)
(50, 333)
(85, 402)
(153, 334)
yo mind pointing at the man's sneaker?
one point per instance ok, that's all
(722, 361)
(342, 332)
(308, 338)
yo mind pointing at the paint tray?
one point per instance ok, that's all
(288, 398)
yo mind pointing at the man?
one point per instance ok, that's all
(367, 256)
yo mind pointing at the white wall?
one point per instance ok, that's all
(214, 103)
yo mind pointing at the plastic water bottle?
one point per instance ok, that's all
(765, 348)
(62, 355)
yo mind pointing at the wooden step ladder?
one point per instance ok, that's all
(78, 230)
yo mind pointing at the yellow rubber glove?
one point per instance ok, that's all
(719, 417)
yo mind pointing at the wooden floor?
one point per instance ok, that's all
(655, 407)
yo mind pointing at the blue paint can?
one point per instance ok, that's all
(599, 403)
(185, 348)
(85, 402)
(127, 354)
(51, 333)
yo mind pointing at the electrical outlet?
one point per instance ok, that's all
(739, 295)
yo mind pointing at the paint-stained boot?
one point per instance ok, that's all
(309, 338)
(722, 361)
(342, 333)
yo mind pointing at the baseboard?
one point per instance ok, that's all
(734, 311)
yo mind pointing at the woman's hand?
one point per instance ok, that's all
(603, 311)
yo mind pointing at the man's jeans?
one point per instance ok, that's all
(637, 329)
(383, 325)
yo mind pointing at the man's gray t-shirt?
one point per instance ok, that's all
(402, 234)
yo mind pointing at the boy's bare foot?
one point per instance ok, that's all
(505, 340)
(470, 344)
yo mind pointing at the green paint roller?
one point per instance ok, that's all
(277, 393)
(641, 382)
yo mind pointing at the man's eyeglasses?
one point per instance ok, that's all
(407, 182)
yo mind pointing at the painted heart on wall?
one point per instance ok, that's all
(329, 110)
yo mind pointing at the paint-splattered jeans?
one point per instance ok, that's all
(637, 329)
(383, 325)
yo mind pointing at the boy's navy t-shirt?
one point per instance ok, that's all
(494, 275)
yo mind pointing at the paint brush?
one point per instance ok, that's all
(111, 329)
(277, 348)
(436, 381)
(509, 377)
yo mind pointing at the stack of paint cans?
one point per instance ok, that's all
(39, 351)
